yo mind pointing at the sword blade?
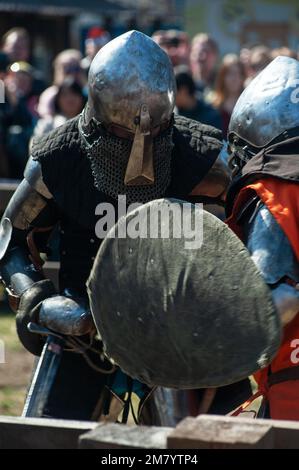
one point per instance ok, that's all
(44, 377)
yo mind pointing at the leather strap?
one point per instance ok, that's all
(283, 375)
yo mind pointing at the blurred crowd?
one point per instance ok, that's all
(208, 85)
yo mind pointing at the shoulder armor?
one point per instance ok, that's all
(200, 137)
(56, 155)
(270, 248)
(33, 174)
(218, 178)
(5, 235)
(196, 148)
(63, 137)
(25, 205)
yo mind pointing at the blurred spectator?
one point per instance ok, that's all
(20, 116)
(107, 23)
(187, 102)
(176, 43)
(260, 57)
(4, 62)
(66, 64)
(132, 23)
(245, 54)
(229, 86)
(203, 59)
(19, 83)
(46, 100)
(96, 38)
(16, 44)
(69, 101)
(283, 51)
(155, 25)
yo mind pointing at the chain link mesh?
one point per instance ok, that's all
(109, 155)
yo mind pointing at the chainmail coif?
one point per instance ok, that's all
(109, 155)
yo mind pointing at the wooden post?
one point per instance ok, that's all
(219, 432)
(41, 433)
(120, 436)
(7, 188)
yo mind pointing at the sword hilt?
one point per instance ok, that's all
(41, 330)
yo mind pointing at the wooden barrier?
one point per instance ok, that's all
(7, 188)
(203, 432)
(51, 271)
(219, 432)
(119, 436)
(41, 433)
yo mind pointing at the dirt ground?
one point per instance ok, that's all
(15, 372)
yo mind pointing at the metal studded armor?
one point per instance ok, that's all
(265, 115)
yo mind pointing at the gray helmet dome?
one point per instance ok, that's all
(269, 105)
(130, 73)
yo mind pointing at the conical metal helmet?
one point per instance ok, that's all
(268, 107)
(132, 87)
(127, 73)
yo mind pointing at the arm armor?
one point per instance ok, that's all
(30, 209)
(272, 253)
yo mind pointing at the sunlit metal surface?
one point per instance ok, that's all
(269, 104)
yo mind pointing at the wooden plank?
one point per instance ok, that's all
(286, 433)
(203, 432)
(51, 271)
(120, 436)
(7, 188)
(220, 432)
(41, 433)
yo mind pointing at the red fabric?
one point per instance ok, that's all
(282, 199)
(96, 32)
